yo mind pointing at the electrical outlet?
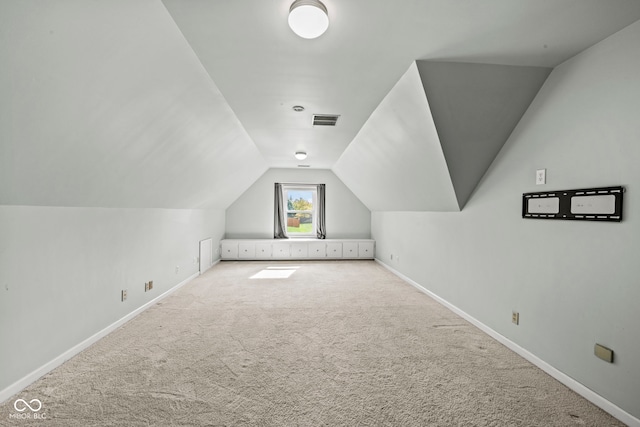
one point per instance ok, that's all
(150, 284)
(124, 295)
(146, 286)
(177, 269)
(603, 353)
(515, 317)
(541, 176)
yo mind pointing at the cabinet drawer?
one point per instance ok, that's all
(229, 250)
(281, 250)
(299, 250)
(263, 250)
(246, 250)
(365, 250)
(334, 250)
(350, 249)
(317, 250)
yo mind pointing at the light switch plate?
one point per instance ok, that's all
(541, 176)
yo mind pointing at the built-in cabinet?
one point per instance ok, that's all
(243, 249)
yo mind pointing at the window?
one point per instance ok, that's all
(299, 211)
(300, 208)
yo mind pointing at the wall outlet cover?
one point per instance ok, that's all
(603, 353)
(541, 176)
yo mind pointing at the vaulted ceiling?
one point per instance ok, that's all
(183, 104)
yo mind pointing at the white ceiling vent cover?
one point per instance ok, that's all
(325, 119)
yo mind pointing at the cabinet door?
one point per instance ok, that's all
(263, 250)
(246, 250)
(317, 250)
(350, 249)
(281, 250)
(229, 250)
(299, 250)
(334, 250)
(365, 250)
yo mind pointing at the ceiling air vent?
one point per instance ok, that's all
(325, 119)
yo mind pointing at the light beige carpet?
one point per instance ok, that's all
(335, 344)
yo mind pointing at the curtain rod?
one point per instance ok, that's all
(298, 183)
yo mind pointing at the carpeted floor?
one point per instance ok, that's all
(335, 344)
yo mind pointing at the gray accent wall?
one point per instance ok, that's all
(251, 215)
(574, 283)
(475, 107)
(396, 160)
(432, 138)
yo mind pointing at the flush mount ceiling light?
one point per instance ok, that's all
(298, 108)
(301, 155)
(308, 18)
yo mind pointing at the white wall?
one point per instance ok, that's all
(574, 283)
(251, 215)
(62, 270)
(105, 104)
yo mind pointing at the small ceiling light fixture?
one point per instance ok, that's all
(297, 108)
(301, 155)
(308, 18)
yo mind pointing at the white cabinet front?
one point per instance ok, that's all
(299, 250)
(246, 250)
(317, 250)
(334, 250)
(281, 250)
(350, 249)
(229, 250)
(263, 250)
(365, 250)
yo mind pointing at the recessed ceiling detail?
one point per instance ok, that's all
(475, 107)
(325, 119)
(436, 133)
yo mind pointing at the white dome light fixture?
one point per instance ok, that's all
(308, 18)
(301, 155)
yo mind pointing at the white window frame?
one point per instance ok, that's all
(314, 212)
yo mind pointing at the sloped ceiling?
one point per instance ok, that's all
(395, 163)
(183, 104)
(105, 104)
(432, 138)
(263, 69)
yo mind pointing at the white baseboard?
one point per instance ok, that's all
(574, 385)
(215, 261)
(50, 366)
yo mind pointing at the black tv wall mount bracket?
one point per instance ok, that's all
(587, 204)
